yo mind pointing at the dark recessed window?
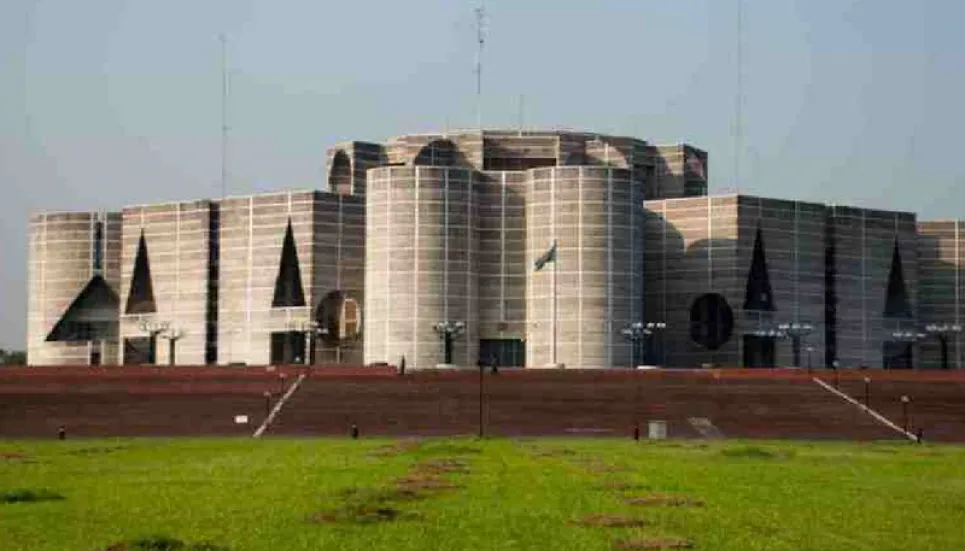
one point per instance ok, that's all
(711, 321)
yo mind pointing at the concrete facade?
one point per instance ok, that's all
(176, 239)
(446, 227)
(827, 267)
(941, 287)
(65, 252)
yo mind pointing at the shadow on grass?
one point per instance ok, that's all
(654, 543)
(29, 496)
(163, 543)
(96, 450)
(664, 500)
(755, 452)
(610, 521)
(373, 505)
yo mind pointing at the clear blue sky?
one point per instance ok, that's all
(109, 102)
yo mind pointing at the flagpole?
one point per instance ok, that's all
(556, 262)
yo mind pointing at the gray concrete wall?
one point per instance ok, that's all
(421, 257)
(793, 243)
(503, 271)
(864, 241)
(690, 249)
(252, 233)
(674, 176)
(177, 237)
(59, 266)
(338, 239)
(596, 217)
(941, 289)
(361, 156)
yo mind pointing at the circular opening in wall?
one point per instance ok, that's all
(340, 317)
(711, 321)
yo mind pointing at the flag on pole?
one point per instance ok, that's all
(548, 256)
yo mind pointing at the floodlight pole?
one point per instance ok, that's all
(797, 331)
(153, 329)
(447, 331)
(482, 367)
(942, 331)
(173, 336)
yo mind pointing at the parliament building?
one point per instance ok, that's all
(531, 249)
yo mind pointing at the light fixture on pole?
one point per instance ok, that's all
(797, 331)
(172, 335)
(905, 400)
(638, 333)
(942, 331)
(447, 331)
(153, 329)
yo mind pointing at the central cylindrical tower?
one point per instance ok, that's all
(420, 265)
(595, 215)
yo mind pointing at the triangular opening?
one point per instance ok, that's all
(758, 295)
(91, 316)
(288, 284)
(896, 303)
(140, 299)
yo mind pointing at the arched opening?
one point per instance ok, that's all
(437, 153)
(340, 174)
(339, 318)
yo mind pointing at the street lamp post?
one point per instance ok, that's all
(904, 410)
(942, 331)
(797, 331)
(153, 329)
(447, 331)
(639, 332)
(482, 367)
(173, 336)
(634, 333)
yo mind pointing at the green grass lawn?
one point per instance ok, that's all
(454, 494)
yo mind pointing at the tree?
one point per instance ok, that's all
(12, 357)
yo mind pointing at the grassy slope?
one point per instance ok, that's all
(258, 495)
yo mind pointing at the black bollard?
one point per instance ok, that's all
(62, 433)
(920, 436)
(636, 431)
(354, 431)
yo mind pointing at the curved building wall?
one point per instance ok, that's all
(420, 264)
(596, 216)
(503, 270)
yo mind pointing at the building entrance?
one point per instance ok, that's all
(759, 351)
(506, 352)
(287, 348)
(897, 355)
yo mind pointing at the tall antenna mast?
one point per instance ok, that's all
(481, 40)
(224, 116)
(739, 99)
